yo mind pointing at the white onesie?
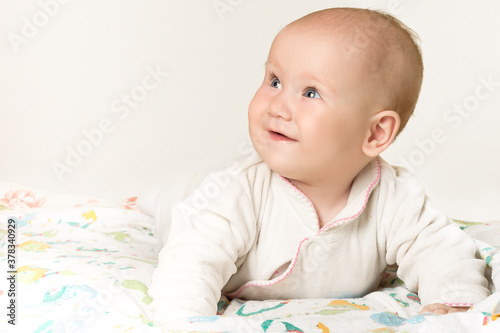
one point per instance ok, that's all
(249, 233)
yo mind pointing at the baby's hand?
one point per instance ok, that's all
(439, 308)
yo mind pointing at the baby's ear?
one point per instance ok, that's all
(383, 129)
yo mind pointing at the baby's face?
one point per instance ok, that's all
(312, 110)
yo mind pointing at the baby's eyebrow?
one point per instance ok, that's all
(322, 84)
(273, 65)
(272, 62)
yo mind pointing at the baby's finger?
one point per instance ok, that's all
(437, 308)
(458, 309)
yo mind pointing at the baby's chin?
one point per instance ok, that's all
(284, 164)
(284, 168)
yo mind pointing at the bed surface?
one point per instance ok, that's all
(85, 265)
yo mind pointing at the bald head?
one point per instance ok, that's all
(384, 47)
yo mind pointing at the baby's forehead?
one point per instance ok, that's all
(367, 36)
(349, 43)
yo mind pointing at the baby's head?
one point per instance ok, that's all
(340, 84)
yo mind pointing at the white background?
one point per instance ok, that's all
(64, 67)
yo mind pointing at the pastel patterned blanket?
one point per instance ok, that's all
(84, 265)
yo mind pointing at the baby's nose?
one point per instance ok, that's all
(280, 107)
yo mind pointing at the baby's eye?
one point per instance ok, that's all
(311, 93)
(275, 83)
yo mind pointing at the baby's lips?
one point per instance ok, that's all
(280, 136)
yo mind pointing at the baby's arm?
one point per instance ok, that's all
(207, 236)
(435, 257)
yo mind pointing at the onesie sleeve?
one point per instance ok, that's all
(434, 256)
(209, 231)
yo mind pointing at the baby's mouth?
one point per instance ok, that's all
(276, 136)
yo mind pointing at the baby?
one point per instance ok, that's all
(314, 212)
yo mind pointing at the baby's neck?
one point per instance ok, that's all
(327, 198)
